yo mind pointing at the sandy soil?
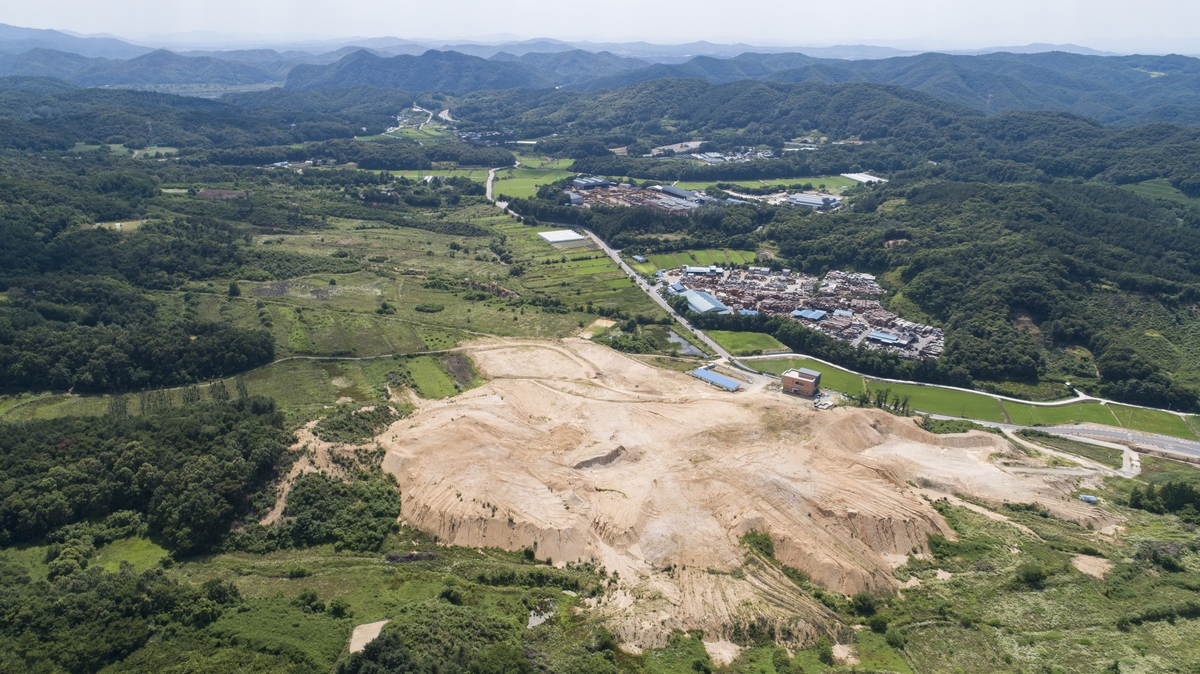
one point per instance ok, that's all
(722, 652)
(1096, 567)
(586, 454)
(844, 654)
(365, 634)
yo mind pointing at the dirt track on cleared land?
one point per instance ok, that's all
(589, 455)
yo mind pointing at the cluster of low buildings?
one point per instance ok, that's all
(843, 305)
(711, 158)
(588, 192)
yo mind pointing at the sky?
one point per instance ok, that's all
(1148, 26)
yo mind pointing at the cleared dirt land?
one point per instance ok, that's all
(588, 455)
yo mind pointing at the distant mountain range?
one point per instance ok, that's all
(1117, 90)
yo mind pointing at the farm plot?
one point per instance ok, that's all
(745, 343)
(1153, 421)
(1036, 415)
(945, 401)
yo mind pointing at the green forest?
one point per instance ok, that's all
(172, 323)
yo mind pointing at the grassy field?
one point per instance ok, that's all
(142, 553)
(1034, 415)
(832, 378)
(516, 182)
(745, 343)
(1160, 188)
(833, 184)
(1153, 421)
(544, 163)
(942, 401)
(1105, 455)
(704, 258)
(476, 174)
(430, 379)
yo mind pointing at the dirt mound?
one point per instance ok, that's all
(586, 454)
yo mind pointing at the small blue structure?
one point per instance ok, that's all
(843, 312)
(640, 259)
(747, 312)
(810, 314)
(676, 288)
(885, 337)
(1088, 498)
(718, 380)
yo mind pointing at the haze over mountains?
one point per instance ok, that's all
(1117, 90)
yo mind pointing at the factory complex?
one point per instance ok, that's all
(586, 192)
(843, 305)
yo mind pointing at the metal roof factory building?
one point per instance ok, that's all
(718, 380)
(814, 201)
(561, 236)
(703, 303)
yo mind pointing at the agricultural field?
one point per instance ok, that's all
(1160, 188)
(833, 184)
(745, 343)
(517, 183)
(944, 401)
(544, 163)
(699, 258)
(1036, 415)
(476, 174)
(1153, 421)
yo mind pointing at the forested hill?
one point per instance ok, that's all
(1124, 90)
(1120, 90)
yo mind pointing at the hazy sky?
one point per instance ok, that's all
(1123, 25)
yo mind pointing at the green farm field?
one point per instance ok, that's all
(515, 182)
(833, 184)
(701, 258)
(544, 163)
(1153, 421)
(942, 401)
(1036, 415)
(745, 343)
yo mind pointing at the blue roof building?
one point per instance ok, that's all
(703, 303)
(715, 379)
(810, 314)
(884, 337)
(747, 312)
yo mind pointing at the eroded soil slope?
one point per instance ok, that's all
(588, 455)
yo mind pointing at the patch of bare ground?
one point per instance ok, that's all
(1096, 567)
(844, 654)
(699, 468)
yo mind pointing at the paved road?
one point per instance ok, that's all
(646, 287)
(1165, 443)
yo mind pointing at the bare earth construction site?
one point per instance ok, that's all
(589, 455)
